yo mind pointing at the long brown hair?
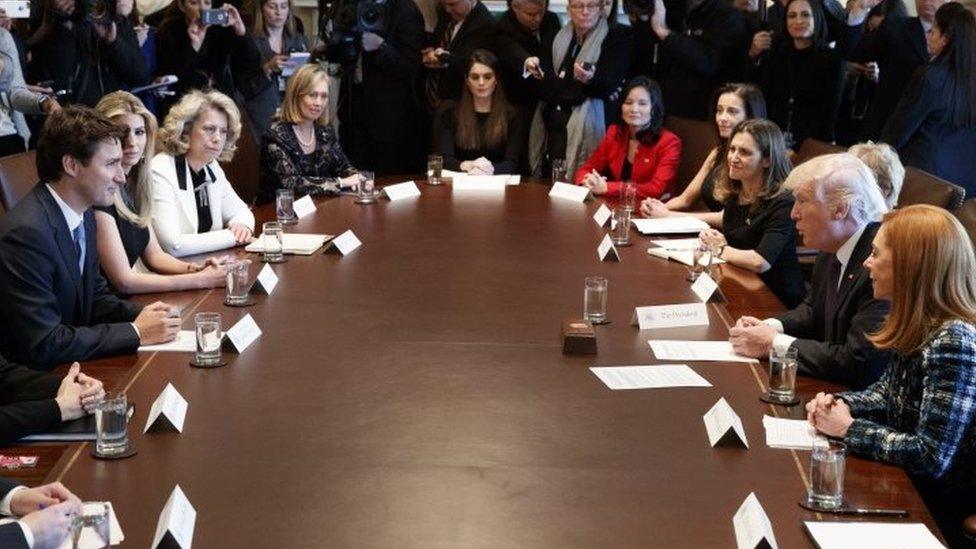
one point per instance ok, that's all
(495, 130)
(933, 270)
(771, 146)
(137, 182)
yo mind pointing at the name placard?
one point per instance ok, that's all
(704, 287)
(266, 281)
(303, 206)
(242, 334)
(345, 243)
(724, 426)
(602, 215)
(168, 411)
(606, 251)
(400, 191)
(575, 193)
(752, 526)
(670, 316)
(176, 522)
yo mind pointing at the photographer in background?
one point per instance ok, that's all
(86, 50)
(462, 27)
(16, 99)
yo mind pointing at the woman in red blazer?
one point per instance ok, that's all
(636, 149)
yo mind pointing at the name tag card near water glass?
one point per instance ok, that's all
(606, 251)
(265, 282)
(344, 244)
(168, 412)
(670, 316)
(400, 191)
(724, 426)
(752, 526)
(304, 207)
(176, 523)
(574, 193)
(704, 287)
(242, 334)
(602, 215)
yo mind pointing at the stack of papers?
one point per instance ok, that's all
(185, 342)
(670, 225)
(677, 243)
(871, 535)
(293, 243)
(791, 434)
(649, 377)
(671, 349)
(464, 182)
(686, 257)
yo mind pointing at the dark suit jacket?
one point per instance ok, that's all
(475, 32)
(27, 403)
(50, 314)
(11, 535)
(513, 45)
(898, 46)
(838, 351)
(920, 130)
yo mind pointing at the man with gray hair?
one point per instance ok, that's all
(837, 211)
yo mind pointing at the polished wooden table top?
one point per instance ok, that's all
(414, 394)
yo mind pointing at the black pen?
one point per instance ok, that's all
(872, 512)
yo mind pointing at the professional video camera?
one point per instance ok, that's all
(343, 23)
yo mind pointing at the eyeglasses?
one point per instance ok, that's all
(589, 6)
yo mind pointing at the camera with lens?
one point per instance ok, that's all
(343, 23)
(641, 10)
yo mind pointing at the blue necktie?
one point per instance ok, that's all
(79, 237)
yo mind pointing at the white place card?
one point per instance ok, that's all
(723, 425)
(697, 351)
(176, 522)
(752, 526)
(266, 280)
(242, 334)
(400, 191)
(480, 182)
(185, 342)
(704, 287)
(649, 377)
(345, 243)
(303, 206)
(606, 251)
(575, 193)
(871, 535)
(602, 215)
(793, 434)
(670, 225)
(169, 410)
(89, 539)
(670, 316)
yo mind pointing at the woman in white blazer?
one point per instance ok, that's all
(195, 210)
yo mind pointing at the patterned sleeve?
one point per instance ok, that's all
(288, 173)
(872, 402)
(945, 414)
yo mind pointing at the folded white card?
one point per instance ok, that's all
(89, 539)
(303, 207)
(704, 287)
(346, 242)
(752, 526)
(293, 243)
(670, 225)
(606, 251)
(266, 280)
(169, 410)
(243, 334)
(672, 349)
(795, 434)
(401, 191)
(670, 316)
(575, 193)
(723, 425)
(602, 215)
(176, 521)
(871, 535)
(649, 377)
(185, 342)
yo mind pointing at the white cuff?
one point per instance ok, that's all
(776, 324)
(28, 535)
(5, 502)
(134, 327)
(782, 342)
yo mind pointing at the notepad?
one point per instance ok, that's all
(671, 349)
(791, 434)
(685, 257)
(293, 243)
(649, 377)
(670, 225)
(185, 342)
(871, 535)
(677, 243)
(295, 60)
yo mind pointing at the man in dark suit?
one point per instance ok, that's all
(838, 204)
(462, 27)
(44, 514)
(55, 304)
(898, 46)
(521, 35)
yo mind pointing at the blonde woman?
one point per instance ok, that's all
(921, 414)
(887, 167)
(301, 150)
(195, 209)
(130, 255)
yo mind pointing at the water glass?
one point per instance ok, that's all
(208, 338)
(238, 276)
(595, 299)
(827, 475)
(628, 195)
(701, 261)
(111, 421)
(558, 170)
(620, 234)
(367, 185)
(271, 239)
(782, 374)
(435, 167)
(92, 527)
(285, 207)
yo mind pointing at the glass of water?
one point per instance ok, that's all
(285, 207)
(827, 475)
(238, 276)
(91, 528)
(620, 234)
(271, 239)
(558, 170)
(782, 374)
(366, 191)
(208, 338)
(628, 195)
(595, 299)
(111, 421)
(701, 261)
(435, 167)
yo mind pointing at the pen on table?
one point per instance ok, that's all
(873, 512)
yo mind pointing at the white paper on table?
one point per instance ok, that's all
(88, 539)
(480, 182)
(185, 342)
(670, 225)
(575, 193)
(649, 377)
(685, 257)
(752, 525)
(399, 191)
(871, 535)
(677, 243)
(795, 434)
(293, 243)
(673, 349)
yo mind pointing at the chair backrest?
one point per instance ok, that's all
(814, 147)
(697, 140)
(18, 175)
(921, 187)
(966, 214)
(244, 171)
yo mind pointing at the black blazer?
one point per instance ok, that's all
(11, 535)
(475, 32)
(898, 46)
(919, 129)
(607, 82)
(50, 314)
(27, 403)
(838, 350)
(513, 45)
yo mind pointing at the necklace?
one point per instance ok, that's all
(306, 143)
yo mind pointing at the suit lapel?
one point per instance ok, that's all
(62, 236)
(91, 264)
(854, 270)
(184, 191)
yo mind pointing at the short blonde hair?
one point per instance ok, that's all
(119, 103)
(841, 179)
(882, 159)
(300, 84)
(174, 135)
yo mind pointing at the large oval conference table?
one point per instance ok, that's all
(414, 393)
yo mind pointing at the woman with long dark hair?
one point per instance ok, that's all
(934, 126)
